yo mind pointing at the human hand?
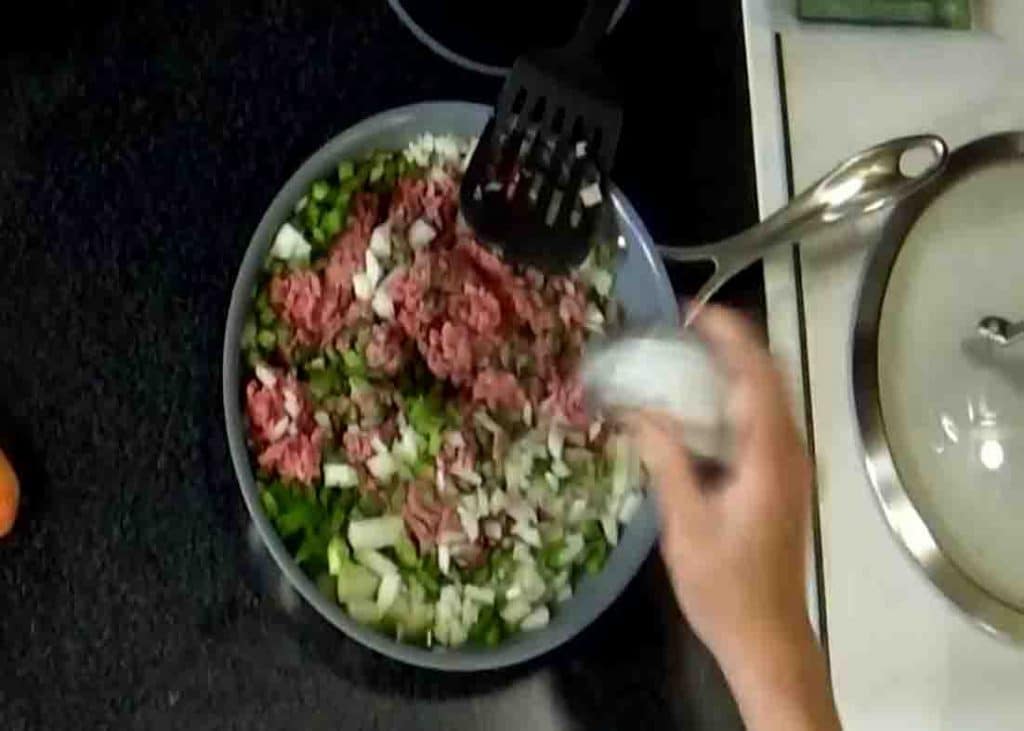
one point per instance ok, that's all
(735, 551)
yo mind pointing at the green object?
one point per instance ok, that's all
(337, 554)
(406, 554)
(429, 582)
(938, 13)
(355, 364)
(311, 213)
(370, 506)
(356, 582)
(364, 611)
(331, 222)
(592, 531)
(298, 516)
(324, 382)
(320, 190)
(269, 504)
(346, 170)
(597, 554)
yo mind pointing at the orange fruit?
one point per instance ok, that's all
(8, 496)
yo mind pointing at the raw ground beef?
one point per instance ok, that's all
(502, 337)
(422, 514)
(282, 427)
(469, 313)
(386, 351)
(317, 303)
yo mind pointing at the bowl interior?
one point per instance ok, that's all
(642, 286)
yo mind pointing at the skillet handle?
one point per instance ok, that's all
(872, 180)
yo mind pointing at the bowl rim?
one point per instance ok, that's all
(626, 558)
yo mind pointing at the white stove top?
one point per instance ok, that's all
(901, 656)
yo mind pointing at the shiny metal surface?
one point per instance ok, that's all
(988, 611)
(1000, 330)
(870, 181)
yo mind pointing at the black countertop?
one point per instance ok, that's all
(139, 145)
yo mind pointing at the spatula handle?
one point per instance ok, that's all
(593, 26)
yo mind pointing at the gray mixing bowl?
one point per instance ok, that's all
(644, 290)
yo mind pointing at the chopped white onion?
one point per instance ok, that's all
(470, 523)
(630, 504)
(444, 558)
(577, 511)
(380, 240)
(387, 592)
(470, 477)
(528, 534)
(375, 532)
(521, 511)
(362, 287)
(602, 280)
(492, 529)
(407, 448)
(420, 234)
(483, 506)
(291, 403)
(610, 528)
(528, 414)
(521, 553)
(591, 195)
(279, 429)
(574, 545)
(265, 375)
(593, 319)
(382, 304)
(446, 147)
(373, 269)
(382, 466)
(479, 594)
(339, 474)
(537, 619)
(439, 477)
(323, 419)
(532, 582)
(290, 245)
(498, 502)
(470, 611)
(454, 438)
(556, 441)
(451, 537)
(376, 561)
(484, 419)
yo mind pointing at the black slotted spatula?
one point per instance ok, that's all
(535, 185)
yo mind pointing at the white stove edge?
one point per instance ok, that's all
(772, 194)
(901, 656)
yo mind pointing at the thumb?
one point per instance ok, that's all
(657, 438)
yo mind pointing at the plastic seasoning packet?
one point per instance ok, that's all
(662, 370)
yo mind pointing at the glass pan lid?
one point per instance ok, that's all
(940, 405)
